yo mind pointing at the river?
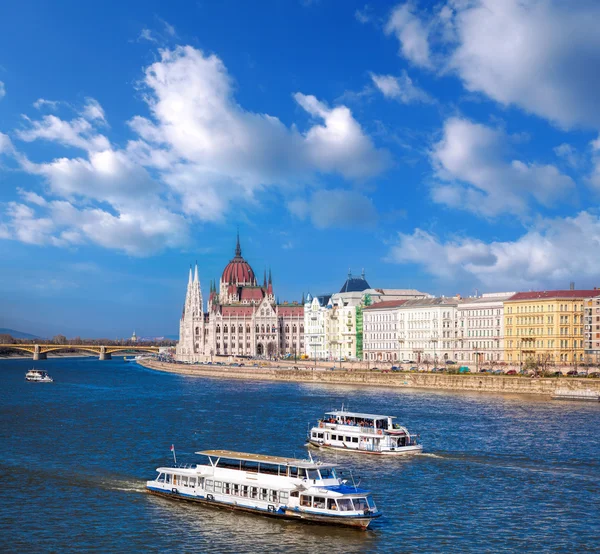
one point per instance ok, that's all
(499, 473)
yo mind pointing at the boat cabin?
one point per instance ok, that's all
(363, 421)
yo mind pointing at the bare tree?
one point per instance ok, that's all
(59, 339)
(427, 361)
(271, 349)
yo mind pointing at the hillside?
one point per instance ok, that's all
(17, 334)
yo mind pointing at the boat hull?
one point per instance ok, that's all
(291, 514)
(402, 451)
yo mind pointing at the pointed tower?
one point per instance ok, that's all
(270, 288)
(191, 325)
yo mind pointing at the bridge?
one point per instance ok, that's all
(40, 351)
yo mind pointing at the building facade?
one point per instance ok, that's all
(481, 329)
(545, 327)
(592, 329)
(242, 319)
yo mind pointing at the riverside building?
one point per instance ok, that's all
(546, 327)
(242, 319)
(481, 328)
(591, 331)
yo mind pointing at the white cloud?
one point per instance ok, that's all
(400, 88)
(363, 16)
(412, 34)
(475, 171)
(594, 177)
(335, 208)
(197, 154)
(542, 56)
(78, 132)
(544, 257)
(41, 103)
(2, 90)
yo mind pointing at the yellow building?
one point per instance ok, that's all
(545, 327)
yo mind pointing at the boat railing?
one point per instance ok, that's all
(368, 430)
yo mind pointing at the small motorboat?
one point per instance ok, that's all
(38, 376)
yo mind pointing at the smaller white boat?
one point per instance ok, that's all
(129, 360)
(364, 433)
(38, 376)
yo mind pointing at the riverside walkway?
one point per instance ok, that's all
(513, 384)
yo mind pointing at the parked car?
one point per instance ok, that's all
(464, 369)
(497, 372)
(407, 361)
(572, 373)
(396, 368)
(511, 372)
(374, 369)
(413, 368)
(594, 375)
(450, 362)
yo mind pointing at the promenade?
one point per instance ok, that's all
(512, 384)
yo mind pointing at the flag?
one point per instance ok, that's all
(172, 447)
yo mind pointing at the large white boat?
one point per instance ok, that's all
(365, 433)
(288, 488)
(38, 376)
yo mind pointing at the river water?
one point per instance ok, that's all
(499, 473)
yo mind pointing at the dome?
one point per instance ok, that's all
(238, 270)
(355, 284)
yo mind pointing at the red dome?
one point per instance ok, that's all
(238, 270)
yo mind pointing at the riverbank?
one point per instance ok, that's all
(513, 384)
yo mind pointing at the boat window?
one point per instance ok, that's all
(301, 472)
(235, 489)
(218, 485)
(314, 434)
(345, 505)
(320, 435)
(360, 503)
(306, 501)
(168, 478)
(293, 472)
(319, 502)
(271, 469)
(313, 474)
(245, 491)
(295, 494)
(331, 505)
(272, 496)
(253, 492)
(226, 488)
(333, 437)
(209, 486)
(161, 477)
(371, 503)
(327, 473)
(264, 493)
(184, 480)
(283, 497)
(348, 439)
(354, 439)
(192, 481)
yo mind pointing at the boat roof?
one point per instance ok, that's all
(244, 456)
(357, 414)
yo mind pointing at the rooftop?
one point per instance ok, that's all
(355, 284)
(357, 414)
(547, 294)
(385, 304)
(244, 456)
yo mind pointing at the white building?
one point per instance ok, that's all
(481, 328)
(315, 327)
(380, 331)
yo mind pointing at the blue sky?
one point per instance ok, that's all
(447, 146)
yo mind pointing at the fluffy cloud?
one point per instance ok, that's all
(542, 56)
(400, 88)
(411, 33)
(198, 153)
(476, 172)
(544, 257)
(335, 208)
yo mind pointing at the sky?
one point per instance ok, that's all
(450, 146)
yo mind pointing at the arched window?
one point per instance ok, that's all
(247, 329)
(262, 328)
(225, 329)
(197, 330)
(294, 328)
(287, 328)
(257, 329)
(218, 329)
(241, 329)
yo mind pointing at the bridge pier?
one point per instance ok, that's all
(37, 355)
(104, 355)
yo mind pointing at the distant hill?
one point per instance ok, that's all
(17, 334)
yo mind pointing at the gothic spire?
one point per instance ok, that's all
(270, 281)
(196, 273)
(265, 279)
(238, 248)
(190, 277)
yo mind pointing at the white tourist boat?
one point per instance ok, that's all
(288, 488)
(365, 433)
(38, 376)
